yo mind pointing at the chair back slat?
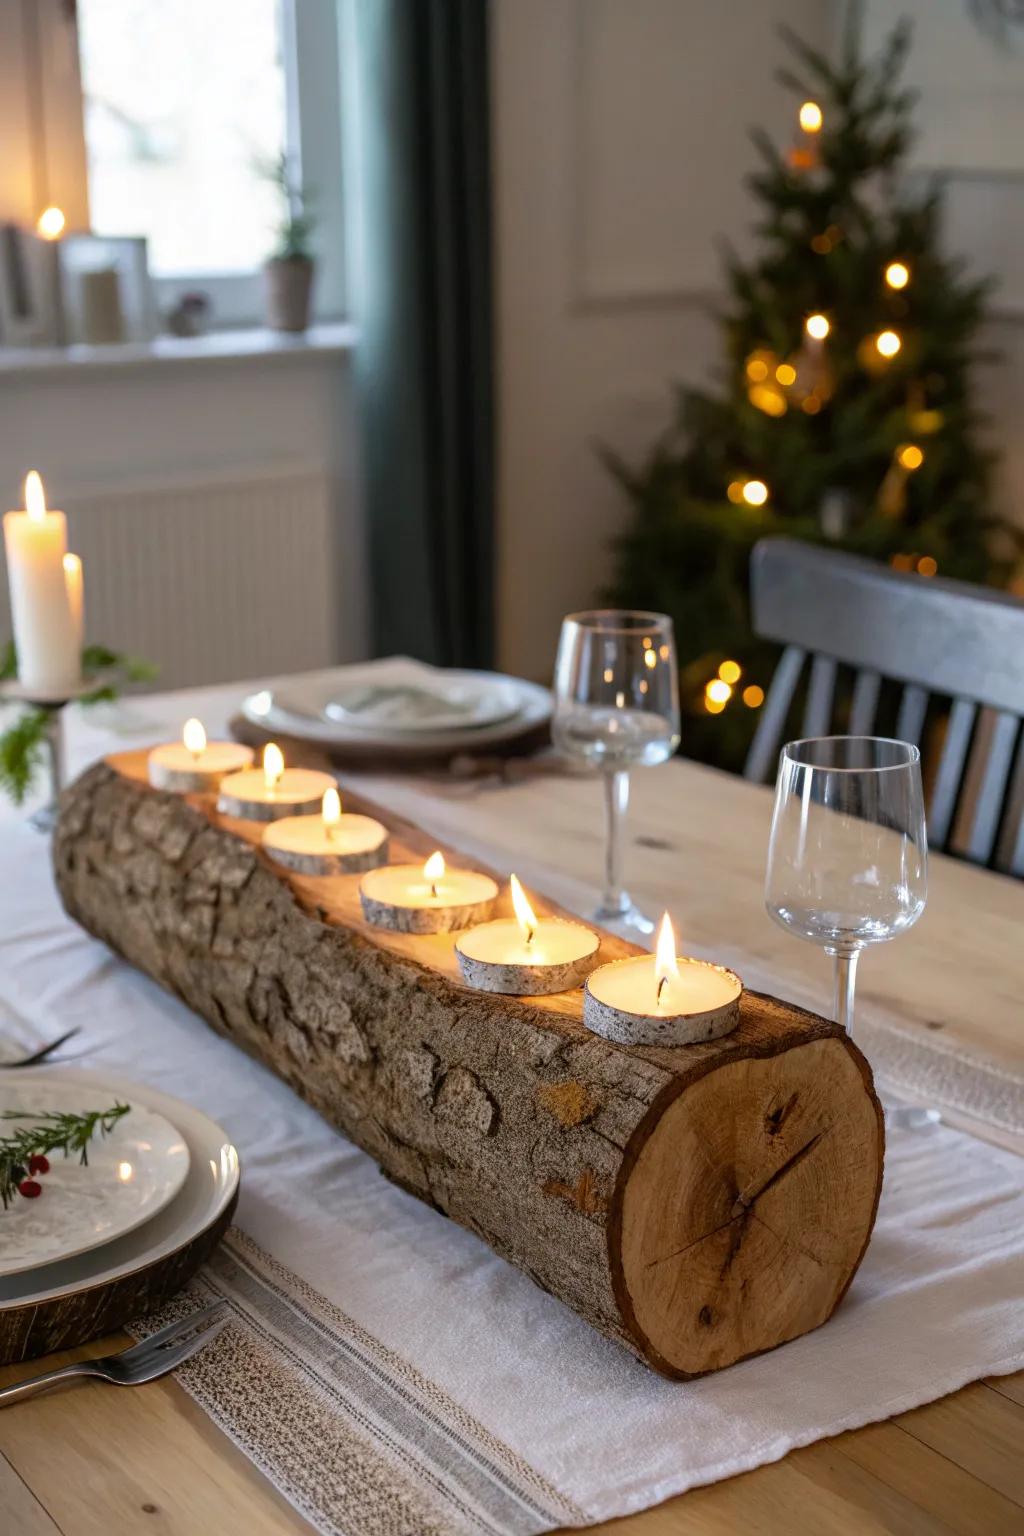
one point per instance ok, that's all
(938, 638)
(951, 769)
(985, 823)
(820, 689)
(864, 702)
(764, 749)
(913, 708)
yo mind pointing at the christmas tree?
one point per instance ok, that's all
(845, 415)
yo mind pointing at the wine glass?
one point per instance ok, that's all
(617, 707)
(848, 853)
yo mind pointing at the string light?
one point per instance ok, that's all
(713, 706)
(897, 275)
(811, 117)
(812, 404)
(755, 493)
(767, 398)
(753, 696)
(927, 566)
(735, 491)
(888, 343)
(821, 245)
(50, 223)
(817, 326)
(786, 374)
(729, 672)
(902, 562)
(718, 691)
(910, 455)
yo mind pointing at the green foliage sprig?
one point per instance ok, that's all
(23, 744)
(52, 1131)
(298, 221)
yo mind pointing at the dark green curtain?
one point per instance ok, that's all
(423, 308)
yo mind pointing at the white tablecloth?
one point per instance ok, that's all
(936, 1303)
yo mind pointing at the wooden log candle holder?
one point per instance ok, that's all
(700, 1204)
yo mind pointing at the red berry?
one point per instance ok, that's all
(30, 1189)
(37, 1163)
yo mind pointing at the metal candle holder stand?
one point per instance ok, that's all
(54, 704)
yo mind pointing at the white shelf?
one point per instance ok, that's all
(217, 346)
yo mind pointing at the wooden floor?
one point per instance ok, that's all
(96, 1460)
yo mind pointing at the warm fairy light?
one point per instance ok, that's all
(273, 765)
(433, 871)
(525, 915)
(608, 674)
(810, 117)
(897, 275)
(713, 706)
(927, 566)
(194, 738)
(767, 398)
(888, 343)
(735, 491)
(35, 500)
(666, 966)
(50, 223)
(757, 369)
(330, 810)
(817, 326)
(786, 374)
(650, 658)
(902, 562)
(718, 690)
(755, 493)
(811, 405)
(729, 671)
(910, 455)
(753, 696)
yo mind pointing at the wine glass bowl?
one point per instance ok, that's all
(617, 708)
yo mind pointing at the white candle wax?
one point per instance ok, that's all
(403, 897)
(312, 846)
(45, 633)
(296, 792)
(174, 767)
(631, 986)
(499, 957)
(76, 597)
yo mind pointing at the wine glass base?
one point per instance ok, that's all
(624, 915)
(910, 1117)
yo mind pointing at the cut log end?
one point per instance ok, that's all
(746, 1207)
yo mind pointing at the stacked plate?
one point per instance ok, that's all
(403, 710)
(163, 1176)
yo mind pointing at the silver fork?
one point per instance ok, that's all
(155, 1356)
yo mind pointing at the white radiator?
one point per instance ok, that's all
(211, 580)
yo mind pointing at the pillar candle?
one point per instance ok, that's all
(45, 630)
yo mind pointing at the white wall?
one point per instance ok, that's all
(620, 147)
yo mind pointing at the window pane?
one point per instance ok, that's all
(184, 99)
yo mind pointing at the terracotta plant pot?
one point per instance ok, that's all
(289, 287)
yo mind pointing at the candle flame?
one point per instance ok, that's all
(35, 500)
(273, 765)
(330, 810)
(525, 915)
(666, 967)
(433, 870)
(194, 738)
(50, 223)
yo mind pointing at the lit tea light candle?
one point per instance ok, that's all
(46, 627)
(661, 999)
(328, 844)
(526, 955)
(273, 791)
(193, 765)
(426, 898)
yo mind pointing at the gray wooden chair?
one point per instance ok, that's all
(937, 638)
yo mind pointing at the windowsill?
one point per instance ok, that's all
(319, 341)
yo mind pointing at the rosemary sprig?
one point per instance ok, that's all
(53, 1131)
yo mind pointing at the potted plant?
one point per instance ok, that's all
(289, 271)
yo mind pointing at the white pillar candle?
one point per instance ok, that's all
(193, 765)
(662, 999)
(328, 844)
(526, 955)
(426, 898)
(76, 597)
(45, 634)
(272, 791)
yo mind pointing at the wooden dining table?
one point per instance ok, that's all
(95, 1461)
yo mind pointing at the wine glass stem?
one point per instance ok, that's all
(846, 980)
(616, 801)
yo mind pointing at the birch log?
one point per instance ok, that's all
(699, 1204)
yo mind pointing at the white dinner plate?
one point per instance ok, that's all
(130, 1175)
(298, 711)
(456, 701)
(210, 1185)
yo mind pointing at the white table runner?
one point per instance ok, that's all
(459, 1397)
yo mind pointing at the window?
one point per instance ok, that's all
(170, 112)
